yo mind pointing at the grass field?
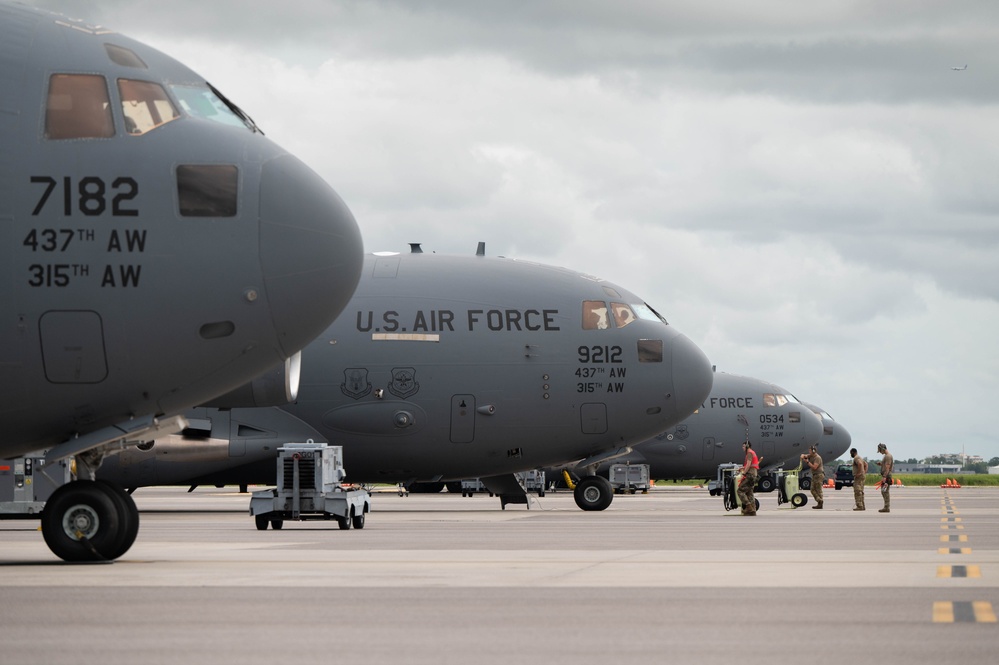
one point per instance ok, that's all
(910, 479)
(935, 480)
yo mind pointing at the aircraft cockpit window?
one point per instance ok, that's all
(595, 315)
(650, 350)
(78, 107)
(145, 106)
(646, 313)
(769, 399)
(207, 190)
(623, 314)
(204, 102)
(781, 400)
(124, 57)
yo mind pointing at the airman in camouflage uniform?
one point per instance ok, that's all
(887, 465)
(859, 475)
(814, 463)
(747, 485)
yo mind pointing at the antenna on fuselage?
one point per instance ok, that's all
(481, 250)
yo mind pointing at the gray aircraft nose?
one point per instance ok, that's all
(813, 426)
(832, 446)
(692, 376)
(310, 251)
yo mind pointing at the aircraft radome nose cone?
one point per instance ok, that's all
(310, 251)
(692, 376)
(813, 426)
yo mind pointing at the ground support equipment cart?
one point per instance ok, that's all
(309, 477)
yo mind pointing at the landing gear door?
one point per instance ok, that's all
(462, 418)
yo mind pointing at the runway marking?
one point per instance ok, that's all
(958, 571)
(954, 550)
(959, 527)
(950, 519)
(954, 538)
(979, 611)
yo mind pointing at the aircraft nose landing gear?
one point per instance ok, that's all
(88, 520)
(593, 493)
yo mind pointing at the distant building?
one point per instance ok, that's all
(926, 468)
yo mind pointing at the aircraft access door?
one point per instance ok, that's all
(73, 346)
(708, 450)
(462, 418)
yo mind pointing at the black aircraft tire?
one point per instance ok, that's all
(86, 508)
(766, 484)
(129, 514)
(805, 483)
(593, 493)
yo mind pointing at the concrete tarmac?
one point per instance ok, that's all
(669, 576)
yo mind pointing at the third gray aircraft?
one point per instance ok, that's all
(739, 408)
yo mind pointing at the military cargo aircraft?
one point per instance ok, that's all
(738, 409)
(449, 367)
(158, 251)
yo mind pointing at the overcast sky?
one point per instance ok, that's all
(807, 190)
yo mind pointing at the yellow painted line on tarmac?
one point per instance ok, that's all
(979, 611)
(950, 519)
(959, 571)
(954, 538)
(958, 527)
(954, 550)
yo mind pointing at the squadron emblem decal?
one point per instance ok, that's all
(403, 382)
(355, 382)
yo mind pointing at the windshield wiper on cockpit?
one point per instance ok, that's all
(238, 112)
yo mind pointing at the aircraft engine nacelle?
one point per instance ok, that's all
(277, 387)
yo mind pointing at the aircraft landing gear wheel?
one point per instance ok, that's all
(358, 521)
(128, 513)
(593, 493)
(82, 522)
(798, 500)
(766, 484)
(343, 523)
(805, 484)
(261, 521)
